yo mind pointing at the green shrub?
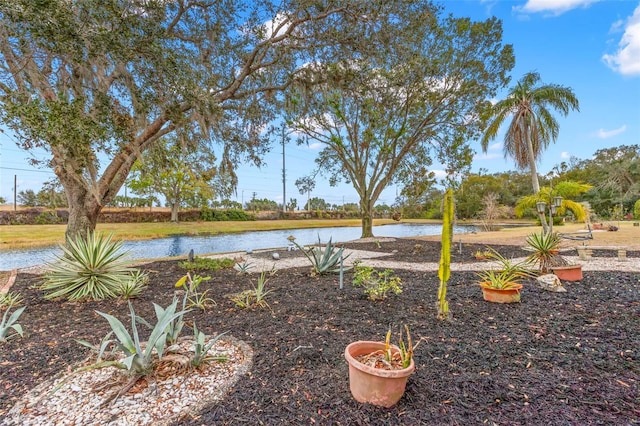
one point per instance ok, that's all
(376, 284)
(46, 218)
(207, 264)
(636, 210)
(91, 269)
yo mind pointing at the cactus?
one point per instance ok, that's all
(444, 271)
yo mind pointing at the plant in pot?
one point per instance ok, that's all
(378, 371)
(545, 252)
(503, 285)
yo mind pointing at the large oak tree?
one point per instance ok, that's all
(382, 119)
(98, 82)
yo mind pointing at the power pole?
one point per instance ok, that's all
(284, 178)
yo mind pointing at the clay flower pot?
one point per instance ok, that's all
(375, 386)
(568, 272)
(502, 295)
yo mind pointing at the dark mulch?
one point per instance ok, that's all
(555, 359)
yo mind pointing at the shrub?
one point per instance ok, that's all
(207, 264)
(636, 210)
(91, 269)
(376, 284)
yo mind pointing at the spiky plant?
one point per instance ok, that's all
(88, 269)
(323, 261)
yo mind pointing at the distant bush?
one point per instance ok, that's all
(636, 209)
(210, 215)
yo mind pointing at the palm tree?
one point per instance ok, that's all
(567, 190)
(533, 126)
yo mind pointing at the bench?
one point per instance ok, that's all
(586, 252)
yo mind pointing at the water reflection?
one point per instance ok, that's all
(254, 240)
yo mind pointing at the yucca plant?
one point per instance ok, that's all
(10, 323)
(133, 287)
(88, 269)
(7, 300)
(545, 250)
(323, 261)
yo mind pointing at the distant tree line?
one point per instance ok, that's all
(612, 173)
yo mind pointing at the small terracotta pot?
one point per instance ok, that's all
(375, 386)
(568, 272)
(508, 295)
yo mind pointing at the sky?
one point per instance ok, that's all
(591, 46)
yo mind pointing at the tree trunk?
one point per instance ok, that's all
(532, 165)
(174, 212)
(83, 213)
(367, 218)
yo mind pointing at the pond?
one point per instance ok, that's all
(221, 243)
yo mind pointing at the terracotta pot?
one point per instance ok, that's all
(497, 295)
(375, 386)
(568, 272)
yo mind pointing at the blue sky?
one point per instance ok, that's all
(591, 46)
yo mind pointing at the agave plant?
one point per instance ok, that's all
(89, 269)
(323, 261)
(9, 322)
(201, 350)
(138, 361)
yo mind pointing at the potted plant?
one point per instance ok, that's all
(503, 285)
(545, 248)
(378, 371)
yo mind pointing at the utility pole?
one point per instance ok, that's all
(284, 178)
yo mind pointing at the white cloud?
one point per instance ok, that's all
(276, 26)
(555, 7)
(606, 134)
(488, 156)
(315, 145)
(565, 154)
(626, 60)
(440, 174)
(497, 145)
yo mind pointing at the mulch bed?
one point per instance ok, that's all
(556, 358)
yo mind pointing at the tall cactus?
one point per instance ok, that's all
(444, 271)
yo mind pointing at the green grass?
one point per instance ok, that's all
(31, 236)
